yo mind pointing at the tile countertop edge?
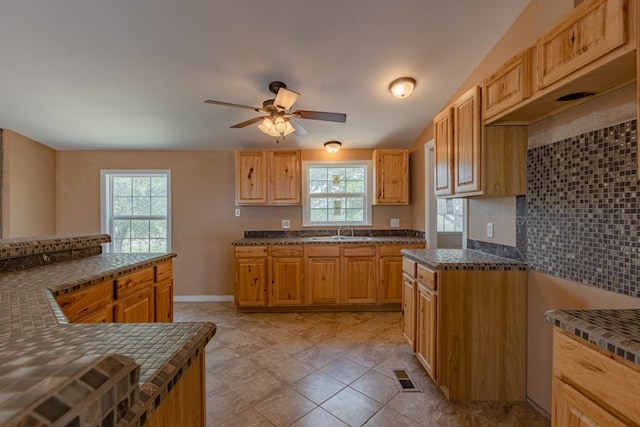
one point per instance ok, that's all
(31, 245)
(590, 325)
(373, 240)
(462, 259)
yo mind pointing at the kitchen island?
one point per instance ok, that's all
(464, 315)
(53, 372)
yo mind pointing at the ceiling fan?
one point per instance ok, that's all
(279, 119)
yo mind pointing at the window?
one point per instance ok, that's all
(135, 210)
(450, 215)
(337, 193)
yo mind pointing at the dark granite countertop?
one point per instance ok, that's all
(462, 259)
(45, 362)
(615, 331)
(324, 240)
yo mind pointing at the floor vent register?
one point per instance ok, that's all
(404, 381)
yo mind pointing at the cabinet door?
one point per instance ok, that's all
(251, 282)
(391, 280)
(285, 178)
(287, 281)
(137, 308)
(391, 177)
(164, 301)
(426, 329)
(510, 84)
(593, 29)
(573, 409)
(409, 310)
(251, 177)
(443, 152)
(359, 279)
(323, 280)
(466, 143)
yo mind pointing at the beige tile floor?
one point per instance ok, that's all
(325, 369)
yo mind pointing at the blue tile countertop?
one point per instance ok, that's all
(616, 331)
(57, 373)
(461, 259)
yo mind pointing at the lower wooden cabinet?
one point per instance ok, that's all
(592, 387)
(470, 330)
(137, 308)
(163, 293)
(287, 275)
(317, 275)
(323, 275)
(409, 288)
(426, 322)
(88, 305)
(142, 296)
(359, 275)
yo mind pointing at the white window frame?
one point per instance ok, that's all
(106, 200)
(306, 211)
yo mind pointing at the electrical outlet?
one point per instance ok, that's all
(489, 229)
(286, 223)
(395, 222)
(237, 212)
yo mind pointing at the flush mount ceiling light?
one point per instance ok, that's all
(332, 146)
(402, 87)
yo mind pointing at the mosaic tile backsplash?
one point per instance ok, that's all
(583, 210)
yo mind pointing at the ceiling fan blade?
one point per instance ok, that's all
(320, 115)
(299, 129)
(247, 122)
(285, 99)
(228, 104)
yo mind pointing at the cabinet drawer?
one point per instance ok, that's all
(250, 251)
(426, 277)
(164, 271)
(409, 267)
(134, 282)
(323, 251)
(610, 383)
(91, 299)
(359, 251)
(287, 251)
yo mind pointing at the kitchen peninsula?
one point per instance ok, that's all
(54, 372)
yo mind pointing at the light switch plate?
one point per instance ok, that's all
(286, 223)
(489, 229)
(395, 222)
(237, 212)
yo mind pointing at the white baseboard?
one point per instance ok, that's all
(203, 298)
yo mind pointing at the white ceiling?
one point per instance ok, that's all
(133, 74)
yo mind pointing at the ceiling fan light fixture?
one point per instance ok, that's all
(402, 87)
(332, 146)
(266, 125)
(289, 128)
(280, 124)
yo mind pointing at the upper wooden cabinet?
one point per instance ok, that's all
(251, 177)
(391, 177)
(268, 178)
(285, 178)
(467, 155)
(510, 84)
(593, 29)
(485, 160)
(443, 152)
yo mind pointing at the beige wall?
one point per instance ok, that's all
(203, 221)
(28, 187)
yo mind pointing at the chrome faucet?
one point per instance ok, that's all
(341, 229)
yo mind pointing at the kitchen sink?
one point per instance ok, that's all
(340, 238)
